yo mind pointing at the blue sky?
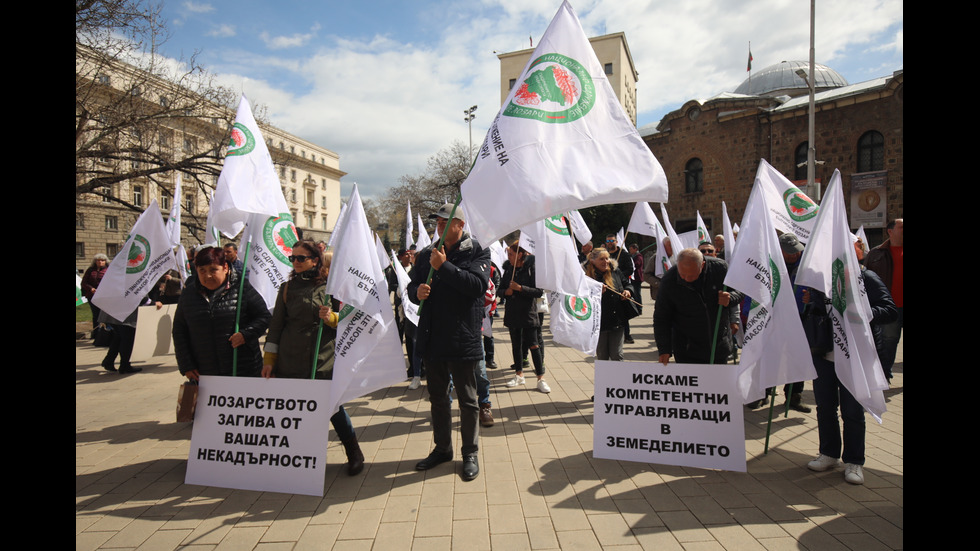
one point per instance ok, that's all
(384, 83)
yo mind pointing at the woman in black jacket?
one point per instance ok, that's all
(612, 326)
(204, 323)
(518, 286)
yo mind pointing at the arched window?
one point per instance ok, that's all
(694, 176)
(801, 151)
(871, 152)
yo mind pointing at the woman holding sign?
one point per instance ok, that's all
(289, 347)
(204, 323)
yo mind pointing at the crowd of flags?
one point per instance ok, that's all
(533, 174)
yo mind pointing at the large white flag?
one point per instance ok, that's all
(560, 141)
(142, 260)
(337, 224)
(703, 235)
(644, 222)
(575, 319)
(423, 241)
(791, 210)
(411, 309)
(356, 275)
(270, 242)
(248, 183)
(675, 242)
(368, 357)
(173, 223)
(775, 350)
(830, 265)
(408, 226)
(579, 229)
(726, 228)
(556, 264)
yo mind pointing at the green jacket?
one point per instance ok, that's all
(293, 331)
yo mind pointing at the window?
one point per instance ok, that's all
(102, 79)
(871, 152)
(608, 68)
(510, 85)
(79, 249)
(165, 202)
(106, 194)
(694, 176)
(323, 202)
(309, 220)
(310, 197)
(79, 220)
(111, 223)
(801, 150)
(292, 175)
(292, 198)
(189, 202)
(111, 249)
(323, 222)
(324, 185)
(138, 196)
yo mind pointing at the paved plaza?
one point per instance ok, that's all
(539, 486)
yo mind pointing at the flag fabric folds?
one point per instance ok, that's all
(408, 226)
(579, 229)
(556, 262)
(575, 319)
(791, 209)
(726, 229)
(423, 241)
(675, 241)
(142, 260)
(775, 350)
(830, 265)
(561, 141)
(173, 222)
(703, 235)
(270, 242)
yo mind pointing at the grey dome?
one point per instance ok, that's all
(781, 79)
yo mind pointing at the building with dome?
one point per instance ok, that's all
(710, 149)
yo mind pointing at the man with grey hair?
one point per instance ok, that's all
(692, 295)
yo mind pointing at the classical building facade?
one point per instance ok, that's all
(613, 54)
(711, 149)
(166, 130)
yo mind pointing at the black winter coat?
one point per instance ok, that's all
(451, 319)
(202, 329)
(520, 311)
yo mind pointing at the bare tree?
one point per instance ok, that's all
(139, 116)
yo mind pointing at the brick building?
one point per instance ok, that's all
(710, 149)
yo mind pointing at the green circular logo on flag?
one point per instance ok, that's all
(578, 307)
(139, 255)
(279, 236)
(838, 282)
(242, 142)
(798, 205)
(557, 224)
(557, 89)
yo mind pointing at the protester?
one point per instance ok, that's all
(519, 287)
(204, 323)
(231, 254)
(586, 249)
(719, 243)
(295, 329)
(122, 338)
(636, 283)
(449, 333)
(601, 267)
(687, 310)
(90, 282)
(886, 260)
(831, 394)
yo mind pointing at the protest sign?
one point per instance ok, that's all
(154, 331)
(679, 414)
(267, 435)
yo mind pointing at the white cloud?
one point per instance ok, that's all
(222, 31)
(195, 7)
(292, 41)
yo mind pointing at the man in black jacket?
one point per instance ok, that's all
(449, 333)
(684, 317)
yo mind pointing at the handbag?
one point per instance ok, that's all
(541, 305)
(186, 401)
(102, 335)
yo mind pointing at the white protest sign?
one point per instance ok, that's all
(259, 434)
(154, 332)
(679, 414)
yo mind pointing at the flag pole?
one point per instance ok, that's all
(714, 341)
(442, 239)
(238, 308)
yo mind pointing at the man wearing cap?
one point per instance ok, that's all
(449, 333)
(792, 251)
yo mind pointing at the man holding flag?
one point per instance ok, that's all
(450, 338)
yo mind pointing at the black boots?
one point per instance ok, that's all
(355, 459)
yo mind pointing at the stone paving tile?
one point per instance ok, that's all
(539, 487)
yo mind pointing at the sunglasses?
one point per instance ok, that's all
(300, 258)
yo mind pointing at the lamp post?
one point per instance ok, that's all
(469, 121)
(811, 136)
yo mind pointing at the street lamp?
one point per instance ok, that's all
(468, 119)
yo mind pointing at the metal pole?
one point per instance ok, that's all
(811, 137)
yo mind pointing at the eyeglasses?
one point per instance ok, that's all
(610, 240)
(299, 258)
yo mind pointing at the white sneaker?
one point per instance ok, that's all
(543, 386)
(517, 380)
(853, 474)
(415, 383)
(822, 463)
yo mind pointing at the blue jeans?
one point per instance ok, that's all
(830, 394)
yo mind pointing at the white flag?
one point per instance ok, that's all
(142, 260)
(830, 265)
(408, 226)
(675, 242)
(791, 210)
(340, 220)
(368, 357)
(382, 255)
(703, 235)
(575, 319)
(621, 239)
(498, 255)
(556, 264)
(248, 183)
(173, 223)
(775, 350)
(529, 238)
(270, 242)
(644, 222)
(726, 228)
(560, 141)
(212, 237)
(579, 229)
(183, 265)
(423, 240)
(356, 276)
(411, 309)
